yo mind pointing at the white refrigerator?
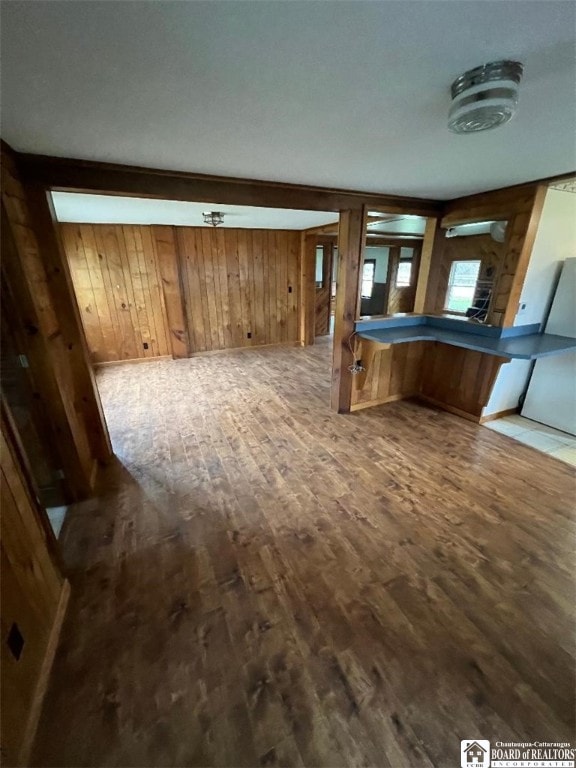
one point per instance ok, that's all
(551, 395)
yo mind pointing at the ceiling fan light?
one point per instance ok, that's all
(485, 97)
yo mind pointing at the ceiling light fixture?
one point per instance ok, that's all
(213, 217)
(485, 97)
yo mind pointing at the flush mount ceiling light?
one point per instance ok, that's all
(485, 97)
(213, 217)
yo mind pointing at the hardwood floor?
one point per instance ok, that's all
(264, 582)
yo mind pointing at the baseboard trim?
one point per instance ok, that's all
(449, 408)
(133, 360)
(499, 415)
(381, 401)
(44, 676)
(245, 349)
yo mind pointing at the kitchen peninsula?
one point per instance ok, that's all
(451, 363)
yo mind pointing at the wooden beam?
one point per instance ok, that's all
(324, 229)
(69, 175)
(425, 264)
(351, 239)
(307, 292)
(500, 204)
(520, 243)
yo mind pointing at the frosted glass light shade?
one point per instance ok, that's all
(485, 97)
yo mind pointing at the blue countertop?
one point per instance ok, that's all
(520, 343)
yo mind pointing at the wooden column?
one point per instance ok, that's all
(307, 293)
(520, 240)
(351, 240)
(425, 264)
(35, 272)
(86, 401)
(434, 292)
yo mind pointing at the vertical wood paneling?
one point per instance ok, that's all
(458, 379)
(119, 288)
(392, 372)
(180, 289)
(36, 273)
(237, 282)
(33, 592)
(522, 208)
(169, 276)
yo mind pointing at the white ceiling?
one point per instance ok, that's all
(345, 94)
(107, 209)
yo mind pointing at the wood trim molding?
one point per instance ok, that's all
(133, 361)
(382, 401)
(425, 264)
(44, 676)
(521, 267)
(307, 292)
(498, 415)
(450, 408)
(351, 240)
(74, 175)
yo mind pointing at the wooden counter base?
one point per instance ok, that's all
(456, 379)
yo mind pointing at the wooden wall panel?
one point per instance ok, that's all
(393, 371)
(470, 248)
(34, 595)
(458, 379)
(35, 273)
(182, 290)
(237, 282)
(165, 243)
(453, 378)
(401, 298)
(118, 285)
(521, 207)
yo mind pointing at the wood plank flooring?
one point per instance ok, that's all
(263, 582)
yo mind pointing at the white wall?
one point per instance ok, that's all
(381, 255)
(555, 241)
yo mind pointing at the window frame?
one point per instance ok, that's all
(450, 285)
(362, 280)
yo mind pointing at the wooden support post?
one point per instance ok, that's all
(307, 304)
(520, 241)
(434, 291)
(425, 264)
(86, 399)
(351, 240)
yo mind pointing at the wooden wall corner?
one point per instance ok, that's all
(351, 241)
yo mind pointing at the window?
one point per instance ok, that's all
(404, 273)
(319, 265)
(462, 285)
(368, 271)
